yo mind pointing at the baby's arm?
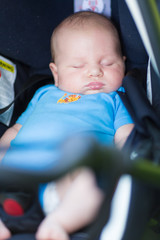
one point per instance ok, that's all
(122, 134)
(7, 137)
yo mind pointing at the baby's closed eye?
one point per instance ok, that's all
(78, 65)
(106, 63)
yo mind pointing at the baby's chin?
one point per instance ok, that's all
(89, 92)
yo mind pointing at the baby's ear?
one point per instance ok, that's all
(53, 69)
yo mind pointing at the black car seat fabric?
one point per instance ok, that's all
(133, 47)
(26, 27)
(28, 222)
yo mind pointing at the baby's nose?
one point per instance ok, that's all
(95, 71)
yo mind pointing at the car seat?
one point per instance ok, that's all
(34, 59)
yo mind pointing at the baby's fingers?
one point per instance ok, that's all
(4, 231)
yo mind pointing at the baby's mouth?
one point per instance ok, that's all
(95, 85)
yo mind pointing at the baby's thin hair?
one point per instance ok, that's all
(81, 19)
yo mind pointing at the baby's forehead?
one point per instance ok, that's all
(90, 26)
(67, 28)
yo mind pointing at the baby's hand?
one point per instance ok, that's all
(49, 229)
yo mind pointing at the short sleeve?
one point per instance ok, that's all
(122, 116)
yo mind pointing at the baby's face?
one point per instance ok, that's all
(87, 61)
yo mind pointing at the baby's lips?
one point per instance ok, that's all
(95, 85)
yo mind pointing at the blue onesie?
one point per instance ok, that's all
(53, 115)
